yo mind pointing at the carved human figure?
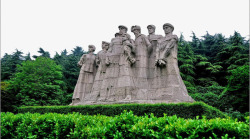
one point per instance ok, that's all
(100, 74)
(119, 81)
(86, 77)
(167, 80)
(153, 39)
(101, 57)
(127, 44)
(142, 46)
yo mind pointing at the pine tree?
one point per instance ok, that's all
(9, 64)
(43, 53)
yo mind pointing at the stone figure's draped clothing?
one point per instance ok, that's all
(86, 77)
(153, 39)
(142, 45)
(100, 74)
(100, 60)
(119, 81)
(167, 80)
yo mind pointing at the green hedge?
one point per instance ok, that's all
(126, 125)
(184, 110)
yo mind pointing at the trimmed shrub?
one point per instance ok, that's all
(184, 110)
(125, 125)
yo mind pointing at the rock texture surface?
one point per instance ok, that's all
(144, 70)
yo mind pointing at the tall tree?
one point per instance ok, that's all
(70, 69)
(78, 51)
(195, 41)
(38, 82)
(236, 95)
(9, 64)
(186, 62)
(27, 57)
(43, 53)
(208, 42)
(236, 39)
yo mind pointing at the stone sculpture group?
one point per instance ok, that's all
(144, 70)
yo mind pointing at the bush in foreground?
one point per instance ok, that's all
(126, 125)
(184, 110)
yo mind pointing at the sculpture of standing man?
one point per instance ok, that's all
(118, 83)
(142, 46)
(152, 53)
(86, 77)
(100, 74)
(167, 80)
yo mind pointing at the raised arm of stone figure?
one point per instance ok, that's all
(147, 42)
(107, 60)
(168, 47)
(133, 45)
(165, 51)
(110, 46)
(82, 60)
(126, 39)
(97, 59)
(163, 48)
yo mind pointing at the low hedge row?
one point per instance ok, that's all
(184, 110)
(126, 125)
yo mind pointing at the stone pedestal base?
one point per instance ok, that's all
(164, 95)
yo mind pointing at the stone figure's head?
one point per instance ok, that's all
(91, 48)
(105, 45)
(123, 29)
(136, 29)
(151, 29)
(168, 28)
(117, 34)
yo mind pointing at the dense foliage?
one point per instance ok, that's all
(125, 125)
(184, 110)
(37, 82)
(214, 69)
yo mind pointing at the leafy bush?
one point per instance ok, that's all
(216, 89)
(38, 82)
(125, 125)
(185, 110)
(236, 114)
(214, 96)
(238, 88)
(208, 98)
(8, 99)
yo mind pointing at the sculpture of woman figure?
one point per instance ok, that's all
(100, 74)
(86, 77)
(142, 47)
(153, 39)
(167, 80)
(118, 82)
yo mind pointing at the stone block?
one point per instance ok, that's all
(125, 71)
(163, 94)
(141, 94)
(112, 73)
(97, 85)
(141, 62)
(140, 72)
(125, 81)
(141, 83)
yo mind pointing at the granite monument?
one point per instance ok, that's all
(144, 70)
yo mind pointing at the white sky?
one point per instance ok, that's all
(56, 25)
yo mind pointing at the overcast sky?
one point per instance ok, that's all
(56, 25)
